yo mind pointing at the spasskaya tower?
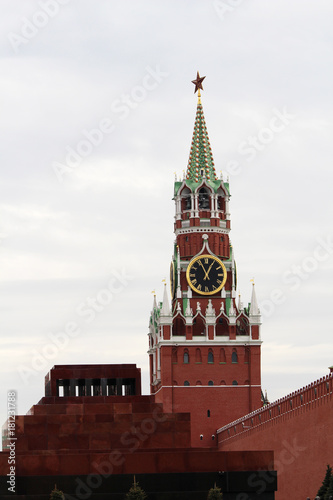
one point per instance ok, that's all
(204, 348)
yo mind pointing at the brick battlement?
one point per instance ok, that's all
(309, 397)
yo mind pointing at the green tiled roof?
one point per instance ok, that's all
(201, 156)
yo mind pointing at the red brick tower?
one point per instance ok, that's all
(205, 349)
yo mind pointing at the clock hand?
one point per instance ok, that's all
(206, 276)
(206, 273)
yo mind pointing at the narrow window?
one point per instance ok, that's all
(186, 357)
(208, 413)
(198, 356)
(188, 202)
(203, 198)
(222, 355)
(210, 357)
(234, 357)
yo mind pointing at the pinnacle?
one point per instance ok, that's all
(165, 311)
(254, 309)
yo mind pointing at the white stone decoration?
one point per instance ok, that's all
(210, 311)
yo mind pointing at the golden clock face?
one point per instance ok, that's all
(206, 274)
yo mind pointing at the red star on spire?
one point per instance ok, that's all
(198, 82)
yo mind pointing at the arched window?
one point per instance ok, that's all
(208, 413)
(198, 382)
(203, 198)
(247, 355)
(234, 382)
(210, 382)
(210, 356)
(186, 383)
(186, 358)
(188, 202)
(242, 327)
(222, 355)
(222, 382)
(199, 327)
(178, 327)
(222, 327)
(198, 356)
(234, 357)
(220, 199)
(186, 199)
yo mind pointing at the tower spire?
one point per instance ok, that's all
(200, 163)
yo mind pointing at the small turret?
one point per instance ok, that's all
(165, 311)
(254, 309)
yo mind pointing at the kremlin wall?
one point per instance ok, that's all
(299, 429)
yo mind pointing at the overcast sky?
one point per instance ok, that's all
(97, 115)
